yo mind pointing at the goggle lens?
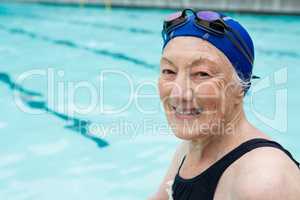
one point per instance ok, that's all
(209, 16)
(173, 16)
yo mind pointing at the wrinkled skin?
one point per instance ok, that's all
(196, 75)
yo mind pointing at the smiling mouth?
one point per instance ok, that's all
(186, 113)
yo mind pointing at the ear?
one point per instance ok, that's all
(240, 92)
(235, 92)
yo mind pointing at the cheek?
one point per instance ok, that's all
(209, 95)
(165, 88)
(161, 88)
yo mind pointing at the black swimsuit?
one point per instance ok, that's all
(203, 186)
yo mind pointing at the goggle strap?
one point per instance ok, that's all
(237, 35)
(240, 48)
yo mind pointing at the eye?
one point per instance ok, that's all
(168, 72)
(202, 74)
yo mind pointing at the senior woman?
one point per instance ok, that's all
(206, 69)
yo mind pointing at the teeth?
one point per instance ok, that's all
(187, 113)
(181, 111)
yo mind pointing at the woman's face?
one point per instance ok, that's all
(195, 87)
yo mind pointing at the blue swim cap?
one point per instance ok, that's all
(239, 61)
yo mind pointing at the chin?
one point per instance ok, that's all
(188, 135)
(185, 136)
(195, 129)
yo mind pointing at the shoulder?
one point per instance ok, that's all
(266, 173)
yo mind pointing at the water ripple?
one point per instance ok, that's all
(71, 44)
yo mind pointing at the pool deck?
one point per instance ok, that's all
(254, 6)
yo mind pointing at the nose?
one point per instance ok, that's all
(182, 91)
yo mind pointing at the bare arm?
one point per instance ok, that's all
(269, 175)
(162, 194)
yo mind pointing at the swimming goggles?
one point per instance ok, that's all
(211, 22)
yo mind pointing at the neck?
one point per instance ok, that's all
(214, 146)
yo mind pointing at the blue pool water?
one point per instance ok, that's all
(53, 155)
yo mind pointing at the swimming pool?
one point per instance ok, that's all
(53, 155)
